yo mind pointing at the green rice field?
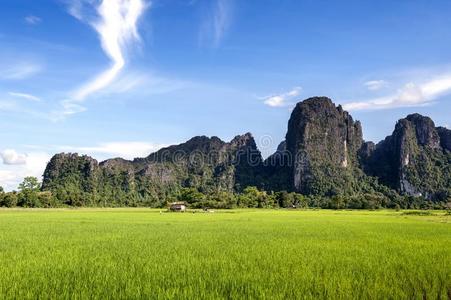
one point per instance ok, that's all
(237, 254)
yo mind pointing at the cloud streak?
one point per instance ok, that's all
(375, 85)
(25, 96)
(283, 99)
(117, 29)
(116, 23)
(19, 71)
(408, 96)
(217, 24)
(33, 20)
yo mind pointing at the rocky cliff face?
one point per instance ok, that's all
(445, 138)
(323, 140)
(415, 159)
(73, 179)
(64, 168)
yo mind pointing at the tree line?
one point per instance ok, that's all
(30, 195)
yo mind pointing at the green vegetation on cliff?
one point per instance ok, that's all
(323, 158)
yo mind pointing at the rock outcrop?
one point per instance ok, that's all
(324, 141)
(445, 137)
(415, 159)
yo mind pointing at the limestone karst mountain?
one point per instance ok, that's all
(323, 154)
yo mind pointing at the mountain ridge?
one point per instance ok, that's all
(323, 154)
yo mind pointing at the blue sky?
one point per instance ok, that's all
(124, 77)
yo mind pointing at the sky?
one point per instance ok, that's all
(123, 78)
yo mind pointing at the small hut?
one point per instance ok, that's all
(177, 206)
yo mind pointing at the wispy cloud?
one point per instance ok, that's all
(375, 85)
(117, 28)
(11, 157)
(116, 23)
(127, 150)
(24, 96)
(75, 9)
(217, 22)
(411, 94)
(283, 99)
(19, 71)
(33, 20)
(68, 108)
(146, 83)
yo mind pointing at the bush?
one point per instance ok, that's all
(8, 199)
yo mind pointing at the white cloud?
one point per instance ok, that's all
(127, 150)
(117, 29)
(11, 157)
(9, 179)
(33, 20)
(24, 96)
(19, 71)
(281, 99)
(12, 175)
(216, 25)
(410, 95)
(375, 85)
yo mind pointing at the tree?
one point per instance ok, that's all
(29, 189)
(253, 197)
(337, 202)
(190, 195)
(30, 184)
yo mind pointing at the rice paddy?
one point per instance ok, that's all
(238, 254)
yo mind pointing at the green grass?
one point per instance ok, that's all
(243, 254)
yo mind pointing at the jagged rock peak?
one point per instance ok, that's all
(62, 158)
(244, 140)
(321, 134)
(116, 163)
(425, 130)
